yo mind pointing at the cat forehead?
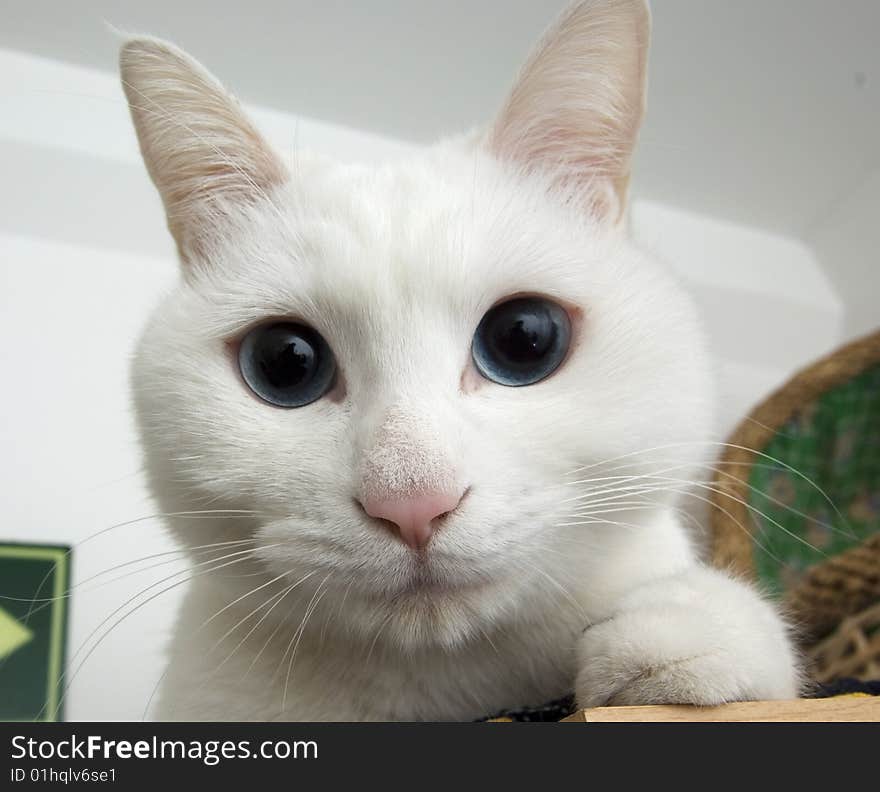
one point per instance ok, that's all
(435, 201)
(439, 227)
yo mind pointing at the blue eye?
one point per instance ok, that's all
(286, 364)
(521, 341)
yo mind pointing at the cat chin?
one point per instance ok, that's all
(416, 613)
(418, 621)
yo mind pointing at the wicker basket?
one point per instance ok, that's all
(731, 540)
(853, 650)
(831, 592)
(835, 603)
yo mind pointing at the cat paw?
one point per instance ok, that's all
(698, 638)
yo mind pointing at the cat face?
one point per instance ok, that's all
(395, 460)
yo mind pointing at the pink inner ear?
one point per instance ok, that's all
(576, 109)
(200, 149)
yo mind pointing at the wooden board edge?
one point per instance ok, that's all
(851, 708)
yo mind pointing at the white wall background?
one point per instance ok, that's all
(83, 256)
(846, 241)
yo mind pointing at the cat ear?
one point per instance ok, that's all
(577, 105)
(202, 153)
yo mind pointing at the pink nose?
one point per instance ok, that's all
(412, 517)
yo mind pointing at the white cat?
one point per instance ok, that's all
(424, 427)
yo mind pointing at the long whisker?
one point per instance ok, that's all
(269, 640)
(310, 609)
(600, 518)
(238, 557)
(198, 549)
(278, 597)
(727, 475)
(67, 679)
(716, 443)
(206, 513)
(723, 493)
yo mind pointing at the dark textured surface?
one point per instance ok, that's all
(841, 687)
(546, 713)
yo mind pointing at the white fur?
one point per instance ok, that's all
(563, 529)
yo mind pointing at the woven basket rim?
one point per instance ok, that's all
(731, 539)
(849, 650)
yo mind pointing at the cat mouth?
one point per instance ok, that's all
(427, 581)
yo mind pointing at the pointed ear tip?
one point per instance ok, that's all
(132, 46)
(639, 10)
(132, 50)
(135, 50)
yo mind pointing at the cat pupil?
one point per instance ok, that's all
(528, 338)
(290, 363)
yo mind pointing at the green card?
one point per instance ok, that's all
(33, 630)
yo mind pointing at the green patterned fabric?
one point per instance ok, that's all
(834, 445)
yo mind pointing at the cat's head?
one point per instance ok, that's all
(390, 377)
